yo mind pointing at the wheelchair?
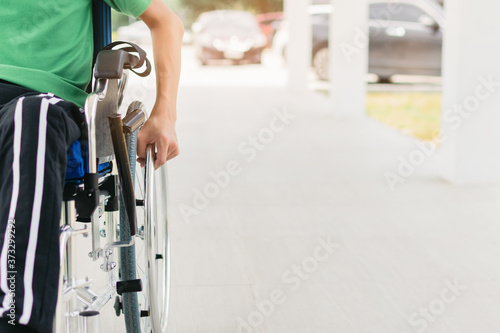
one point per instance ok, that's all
(120, 206)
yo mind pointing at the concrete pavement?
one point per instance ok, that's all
(282, 219)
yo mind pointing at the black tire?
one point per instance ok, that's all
(384, 79)
(149, 258)
(321, 63)
(131, 309)
(203, 59)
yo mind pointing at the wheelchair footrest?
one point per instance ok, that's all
(128, 286)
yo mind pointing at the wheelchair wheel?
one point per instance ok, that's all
(147, 311)
(153, 261)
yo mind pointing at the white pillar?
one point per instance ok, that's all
(349, 56)
(299, 44)
(471, 92)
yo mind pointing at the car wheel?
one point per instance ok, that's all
(257, 59)
(384, 79)
(203, 60)
(321, 63)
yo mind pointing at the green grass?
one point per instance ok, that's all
(414, 113)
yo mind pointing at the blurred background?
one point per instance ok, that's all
(404, 60)
(339, 166)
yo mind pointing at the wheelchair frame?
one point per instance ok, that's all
(112, 139)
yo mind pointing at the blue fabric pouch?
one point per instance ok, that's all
(75, 164)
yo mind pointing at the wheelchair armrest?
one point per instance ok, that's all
(110, 64)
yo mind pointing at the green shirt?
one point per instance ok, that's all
(46, 45)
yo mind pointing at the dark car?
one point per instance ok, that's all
(405, 38)
(228, 34)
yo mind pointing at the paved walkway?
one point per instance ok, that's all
(256, 255)
(283, 222)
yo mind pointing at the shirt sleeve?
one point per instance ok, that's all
(130, 7)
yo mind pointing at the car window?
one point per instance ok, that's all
(320, 19)
(395, 12)
(225, 20)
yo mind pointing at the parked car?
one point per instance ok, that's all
(139, 33)
(281, 36)
(405, 37)
(269, 23)
(228, 34)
